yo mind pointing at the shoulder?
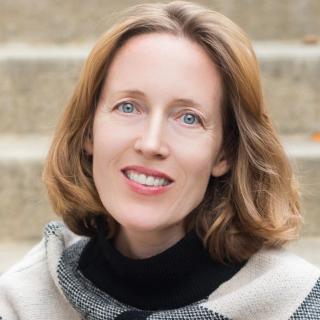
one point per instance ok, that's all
(32, 285)
(275, 281)
(56, 237)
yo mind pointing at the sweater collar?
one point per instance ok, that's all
(183, 274)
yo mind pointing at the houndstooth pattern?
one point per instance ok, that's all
(195, 312)
(94, 304)
(183, 313)
(309, 309)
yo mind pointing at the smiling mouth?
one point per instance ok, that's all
(146, 180)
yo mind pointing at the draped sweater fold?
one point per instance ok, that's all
(70, 277)
(183, 274)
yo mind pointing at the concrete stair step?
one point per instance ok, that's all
(307, 248)
(12, 252)
(37, 81)
(24, 208)
(305, 156)
(68, 21)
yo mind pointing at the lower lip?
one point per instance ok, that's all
(139, 188)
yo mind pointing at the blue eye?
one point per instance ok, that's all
(127, 107)
(190, 118)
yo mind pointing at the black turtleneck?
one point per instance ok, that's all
(179, 276)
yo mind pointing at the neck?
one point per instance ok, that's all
(180, 275)
(137, 244)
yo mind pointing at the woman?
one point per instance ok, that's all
(166, 164)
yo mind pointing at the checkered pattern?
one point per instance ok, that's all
(52, 229)
(94, 304)
(274, 284)
(310, 308)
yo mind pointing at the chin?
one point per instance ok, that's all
(138, 216)
(145, 225)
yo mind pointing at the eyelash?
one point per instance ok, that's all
(199, 119)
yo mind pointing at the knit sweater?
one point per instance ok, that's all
(60, 278)
(179, 276)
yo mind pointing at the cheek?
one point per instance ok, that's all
(109, 141)
(105, 149)
(196, 157)
(195, 168)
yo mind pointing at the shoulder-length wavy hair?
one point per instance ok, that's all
(255, 204)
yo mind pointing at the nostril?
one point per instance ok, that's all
(151, 148)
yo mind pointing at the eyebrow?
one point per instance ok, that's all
(140, 94)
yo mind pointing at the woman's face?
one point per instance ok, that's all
(159, 109)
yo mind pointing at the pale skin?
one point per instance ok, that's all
(150, 76)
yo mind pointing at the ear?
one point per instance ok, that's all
(221, 166)
(88, 145)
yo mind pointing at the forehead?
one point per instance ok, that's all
(164, 66)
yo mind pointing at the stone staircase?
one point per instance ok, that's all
(42, 47)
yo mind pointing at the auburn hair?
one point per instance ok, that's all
(255, 204)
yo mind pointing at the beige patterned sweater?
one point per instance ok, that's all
(47, 284)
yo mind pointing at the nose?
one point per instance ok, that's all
(151, 141)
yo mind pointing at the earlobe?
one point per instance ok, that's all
(88, 146)
(221, 167)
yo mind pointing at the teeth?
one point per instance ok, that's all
(157, 182)
(150, 181)
(142, 179)
(146, 180)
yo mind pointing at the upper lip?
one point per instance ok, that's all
(148, 171)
